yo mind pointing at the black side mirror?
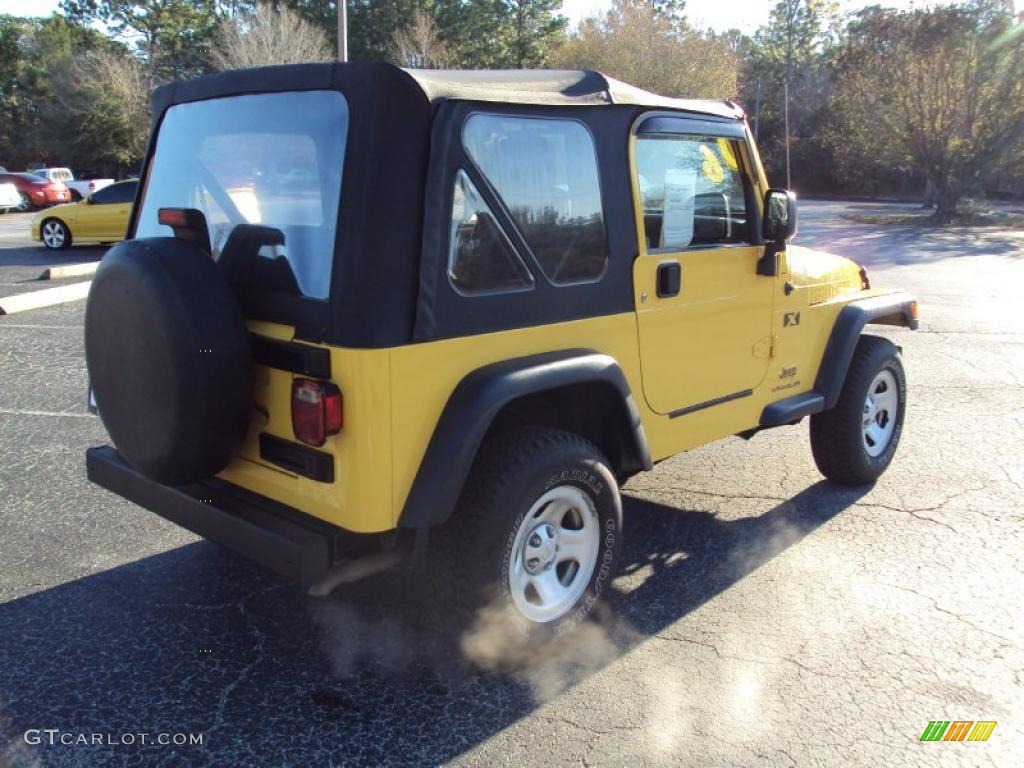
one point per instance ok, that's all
(778, 224)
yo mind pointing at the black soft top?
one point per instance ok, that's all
(551, 87)
(387, 285)
(561, 87)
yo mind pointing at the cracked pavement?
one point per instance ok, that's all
(761, 615)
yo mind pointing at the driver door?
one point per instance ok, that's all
(703, 312)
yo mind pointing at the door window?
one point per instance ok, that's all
(545, 172)
(693, 192)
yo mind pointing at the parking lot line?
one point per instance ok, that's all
(69, 270)
(44, 298)
(59, 414)
(40, 326)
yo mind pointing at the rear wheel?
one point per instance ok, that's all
(24, 204)
(855, 442)
(536, 533)
(56, 236)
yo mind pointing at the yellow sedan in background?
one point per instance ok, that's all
(102, 217)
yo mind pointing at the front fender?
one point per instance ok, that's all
(887, 309)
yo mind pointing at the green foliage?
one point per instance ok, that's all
(879, 99)
(10, 90)
(103, 98)
(476, 34)
(636, 43)
(535, 28)
(941, 90)
(173, 38)
(34, 53)
(796, 45)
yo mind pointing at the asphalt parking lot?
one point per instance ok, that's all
(762, 616)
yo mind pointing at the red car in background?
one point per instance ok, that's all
(36, 192)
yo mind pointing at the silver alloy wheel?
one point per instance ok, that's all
(880, 407)
(24, 204)
(554, 554)
(54, 234)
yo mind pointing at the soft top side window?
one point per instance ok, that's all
(544, 170)
(481, 259)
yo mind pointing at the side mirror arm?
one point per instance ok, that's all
(768, 264)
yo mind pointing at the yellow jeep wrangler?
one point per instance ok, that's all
(365, 311)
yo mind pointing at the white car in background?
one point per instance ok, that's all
(9, 197)
(80, 189)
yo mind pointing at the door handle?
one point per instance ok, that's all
(669, 280)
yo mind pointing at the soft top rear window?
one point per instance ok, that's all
(270, 160)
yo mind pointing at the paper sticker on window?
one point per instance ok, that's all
(677, 223)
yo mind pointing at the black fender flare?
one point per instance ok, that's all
(477, 400)
(888, 309)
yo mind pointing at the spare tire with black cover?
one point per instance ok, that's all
(168, 357)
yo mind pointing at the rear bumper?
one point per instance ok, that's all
(295, 545)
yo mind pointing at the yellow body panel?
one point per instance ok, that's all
(360, 497)
(724, 307)
(394, 399)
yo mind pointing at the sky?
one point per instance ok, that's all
(720, 15)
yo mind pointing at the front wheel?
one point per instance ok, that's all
(855, 442)
(56, 235)
(536, 534)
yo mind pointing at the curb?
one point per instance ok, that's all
(44, 298)
(69, 270)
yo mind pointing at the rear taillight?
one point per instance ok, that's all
(317, 410)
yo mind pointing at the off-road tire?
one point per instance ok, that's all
(470, 554)
(837, 435)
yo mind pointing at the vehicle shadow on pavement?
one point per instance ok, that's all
(43, 257)
(196, 640)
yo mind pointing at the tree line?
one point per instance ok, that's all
(925, 101)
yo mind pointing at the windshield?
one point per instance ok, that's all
(273, 160)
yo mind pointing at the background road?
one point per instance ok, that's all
(762, 617)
